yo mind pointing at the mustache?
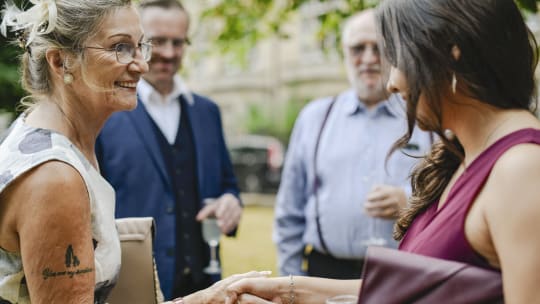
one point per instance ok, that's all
(369, 69)
(162, 60)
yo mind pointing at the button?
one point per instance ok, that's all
(181, 193)
(185, 215)
(170, 209)
(178, 171)
(187, 258)
(186, 236)
(169, 252)
(186, 271)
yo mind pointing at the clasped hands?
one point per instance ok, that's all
(255, 290)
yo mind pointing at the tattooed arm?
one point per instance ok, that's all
(51, 216)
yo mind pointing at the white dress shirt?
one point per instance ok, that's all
(164, 110)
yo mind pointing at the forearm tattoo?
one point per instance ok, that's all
(72, 264)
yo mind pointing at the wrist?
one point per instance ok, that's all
(289, 293)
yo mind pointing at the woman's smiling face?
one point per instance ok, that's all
(107, 82)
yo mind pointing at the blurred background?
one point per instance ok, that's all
(261, 61)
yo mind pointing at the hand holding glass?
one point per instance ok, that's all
(211, 235)
(374, 239)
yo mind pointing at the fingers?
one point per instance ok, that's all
(385, 202)
(206, 211)
(228, 212)
(251, 299)
(251, 274)
(389, 212)
(219, 293)
(241, 283)
(265, 288)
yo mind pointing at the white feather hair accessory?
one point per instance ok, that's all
(38, 20)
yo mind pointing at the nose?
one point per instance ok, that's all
(166, 50)
(138, 65)
(391, 85)
(370, 54)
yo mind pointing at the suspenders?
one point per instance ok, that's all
(316, 177)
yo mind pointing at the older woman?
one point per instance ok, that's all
(82, 61)
(466, 67)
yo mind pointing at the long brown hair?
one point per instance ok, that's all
(496, 66)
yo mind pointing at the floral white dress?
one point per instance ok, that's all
(22, 148)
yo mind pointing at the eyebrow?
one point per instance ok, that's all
(124, 35)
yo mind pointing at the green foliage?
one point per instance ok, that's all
(245, 22)
(529, 5)
(11, 91)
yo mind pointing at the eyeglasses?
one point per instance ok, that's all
(125, 52)
(359, 49)
(177, 43)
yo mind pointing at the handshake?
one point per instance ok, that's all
(256, 287)
(251, 287)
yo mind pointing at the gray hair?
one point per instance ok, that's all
(166, 4)
(53, 24)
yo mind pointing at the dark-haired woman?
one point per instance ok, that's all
(466, 70)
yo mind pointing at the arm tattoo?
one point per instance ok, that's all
(72, 262)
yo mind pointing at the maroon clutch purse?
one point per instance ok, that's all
(391, 276)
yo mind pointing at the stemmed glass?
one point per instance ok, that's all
(211, 235)
(374, 238)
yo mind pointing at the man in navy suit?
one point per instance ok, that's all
(168, 155)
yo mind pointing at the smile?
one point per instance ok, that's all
(126, 84)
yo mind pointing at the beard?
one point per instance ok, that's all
(367, 83)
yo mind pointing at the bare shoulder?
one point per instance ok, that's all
(53, 188)
(518, 166)
(511, 207)
(517, 173)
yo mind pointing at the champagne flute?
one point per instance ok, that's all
(374, 238)
(211, 235)
(342, 299)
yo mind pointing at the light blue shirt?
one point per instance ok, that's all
(351, 158)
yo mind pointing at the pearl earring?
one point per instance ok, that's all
(449, 134)
(68, 78)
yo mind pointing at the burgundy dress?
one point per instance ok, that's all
(441, 233)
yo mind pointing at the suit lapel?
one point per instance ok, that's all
(143, 125)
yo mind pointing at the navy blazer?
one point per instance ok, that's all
(130, 159)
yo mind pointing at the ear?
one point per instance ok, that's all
(456, 52)
(55, 59)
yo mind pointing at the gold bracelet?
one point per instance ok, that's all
(292, 295)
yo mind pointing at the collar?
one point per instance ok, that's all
(393, 106)
(145, 90)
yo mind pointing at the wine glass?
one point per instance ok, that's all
(372, 181)
(211, 235)
(342, 299)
